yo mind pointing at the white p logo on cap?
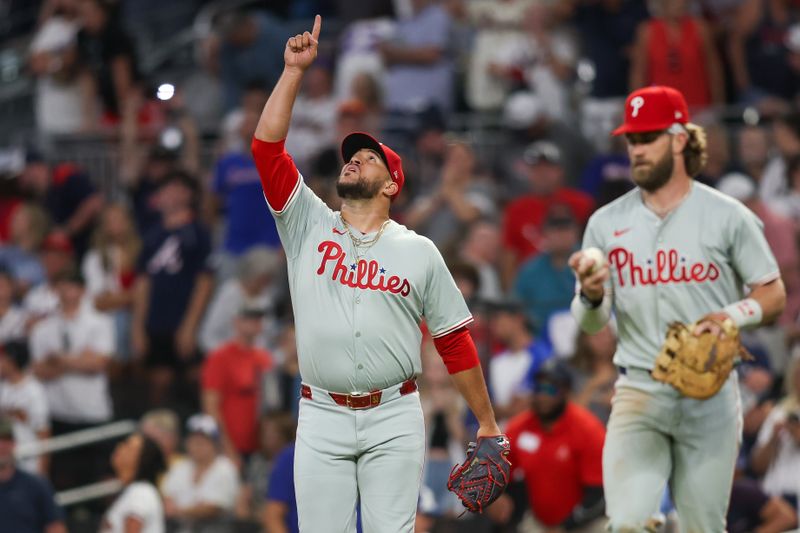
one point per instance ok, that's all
(636, 104)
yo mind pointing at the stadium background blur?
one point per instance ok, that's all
(135, 241)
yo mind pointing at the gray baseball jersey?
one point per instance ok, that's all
(357, 316)
(694, 261)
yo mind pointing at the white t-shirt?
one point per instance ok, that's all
(26, 402)
(12, 324)
(98, 278)
(219, 485)
(507, 372)
(140, 500)
(41, 300)
(76, 397)
(784, 471)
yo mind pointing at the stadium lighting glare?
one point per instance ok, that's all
(165, 91)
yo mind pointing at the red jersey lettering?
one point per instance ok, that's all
(362, 275)
(667, 267)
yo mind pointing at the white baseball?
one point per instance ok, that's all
(596, 255)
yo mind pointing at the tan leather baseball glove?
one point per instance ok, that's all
(698, 365)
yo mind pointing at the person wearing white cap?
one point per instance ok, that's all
(206, 485)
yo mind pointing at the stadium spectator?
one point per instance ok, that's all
(20, 255)
(53, 60)
(774, 182)
(57, 258)
(751, 509)
(172, 289)
(280, 509)
(718, 155)
(419, 69)
(107, 55)
(23, 400)
(142, 185)
(276, 431)
(776, 455)
(606, 29)
(249, 47)
(256, 283)
(779, 232)
(204, 486)
(71, 199)
(163, 426)
(71, 350)
(359, 51)
(676, 49)
(557, 446)
(594, 372)
(523, 218)
(541, 60)
(237, 193)
(313, 124)
(27, 504)
(281, 386)
(498, 26)
(753, 151)
(758, 53)
(12, 319)
(481, 249)
(138, 463)
(231, 380)
(254, 96)
(521, 354)
(456, 198)
(110, 271)
(366, 90)
(545, 283)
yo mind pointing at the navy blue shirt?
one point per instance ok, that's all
(173, 258)
(605, 35)
(281, 486)
(237, 183)
(69, 188)
(27, 504)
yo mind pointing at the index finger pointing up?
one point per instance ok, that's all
(317, 27)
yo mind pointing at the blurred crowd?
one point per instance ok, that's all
(161, 295)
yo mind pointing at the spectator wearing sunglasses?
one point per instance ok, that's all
(556, 447)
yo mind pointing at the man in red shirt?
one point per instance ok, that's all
(231, 382)
(523, 218)
(557, 447)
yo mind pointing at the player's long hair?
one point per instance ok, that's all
(791, 401)
(695, 154)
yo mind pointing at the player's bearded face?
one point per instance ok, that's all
(652, 175)
(361, 189)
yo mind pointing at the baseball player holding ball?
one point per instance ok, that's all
(673, 252)
(360, 286)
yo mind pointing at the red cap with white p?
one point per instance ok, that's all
(653, 108)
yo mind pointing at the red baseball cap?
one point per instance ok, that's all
(652, 109)
(360, 140)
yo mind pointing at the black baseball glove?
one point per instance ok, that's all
(483, 477)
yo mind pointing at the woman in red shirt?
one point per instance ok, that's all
(676, 49)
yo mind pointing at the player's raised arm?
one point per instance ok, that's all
(301, 50)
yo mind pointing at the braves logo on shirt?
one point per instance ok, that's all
(362, 275)
(668, 266)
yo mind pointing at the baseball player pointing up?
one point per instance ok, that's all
(360, 285)
(678, 251)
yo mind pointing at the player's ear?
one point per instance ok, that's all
(679, 141)
(390, 189)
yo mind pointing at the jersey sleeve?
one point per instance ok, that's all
(213, 373)
(293, 204)
(751, 255)
(443, 304)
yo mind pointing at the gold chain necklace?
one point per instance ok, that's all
(361, 242)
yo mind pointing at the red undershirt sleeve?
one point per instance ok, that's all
(279, 176)
(457, 350)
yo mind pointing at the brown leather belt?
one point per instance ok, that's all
(364, 400)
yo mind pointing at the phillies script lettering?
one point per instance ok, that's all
(668, 267)
(366, 275)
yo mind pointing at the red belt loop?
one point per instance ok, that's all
(305, 391)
